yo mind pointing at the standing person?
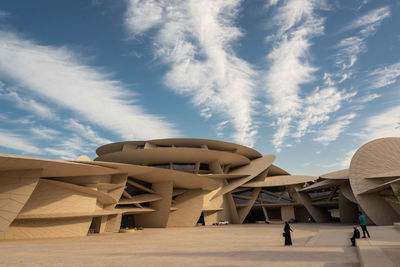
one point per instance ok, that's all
(363, 224)
(356, 235)
(288, 238)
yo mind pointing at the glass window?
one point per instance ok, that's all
(162, 166)
(319, 194)
(184, 166)
(239, 200)
(269, 197)
(204, 167)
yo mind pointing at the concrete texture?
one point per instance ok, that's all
(231, 245)
(382, 249)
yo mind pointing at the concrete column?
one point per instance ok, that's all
(287, 213)
(347, 209)
(318, 214)
(113, 223)
(158, 218)
(243, 212)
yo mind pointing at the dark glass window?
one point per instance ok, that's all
(204, 167)
(133, 190)
(239, 200)
(319, 194)
(162, 166)
(269, 197)
(184, 166)
(246, 193)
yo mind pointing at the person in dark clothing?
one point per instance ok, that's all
(356, 234)
(288, 238)
(363, 224)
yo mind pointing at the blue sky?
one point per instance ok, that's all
(307, 80)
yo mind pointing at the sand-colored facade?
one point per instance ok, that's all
(183, 182)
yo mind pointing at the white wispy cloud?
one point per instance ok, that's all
(28, 104)
(318, 106)
(271, 3)
(332, 131)
(142, 15)
(69, 148)
(297, 23)
(58, 75)
(195, 38)
(369, 98)
(384, 76)
(86, 132)
(384, 124)
(345, 161)
(17, 142)
(350, 47)
(44, 132)
(369, 21)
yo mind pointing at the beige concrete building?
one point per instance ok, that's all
(183, 182)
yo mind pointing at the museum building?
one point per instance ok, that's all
(186, 182)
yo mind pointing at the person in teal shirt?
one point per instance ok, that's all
(363, 224)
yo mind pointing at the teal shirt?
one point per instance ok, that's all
(362, 219)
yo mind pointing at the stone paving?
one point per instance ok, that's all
(325, 245)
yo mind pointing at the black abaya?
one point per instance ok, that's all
(288, 238)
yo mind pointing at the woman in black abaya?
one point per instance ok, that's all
(288, 238)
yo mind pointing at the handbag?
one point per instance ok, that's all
(283, 234)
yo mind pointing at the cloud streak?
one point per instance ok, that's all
(332, 131)
(17, 142)
(384, 124)
(57, 75)
(351, 47)
(318, 106)
(385, 76)
(297, 24)
(28, 104)
(369, 21)
(195, 38)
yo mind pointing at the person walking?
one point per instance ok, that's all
(363, 224)
(288, 238)
(356, 235)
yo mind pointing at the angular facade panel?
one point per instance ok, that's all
(184, 182)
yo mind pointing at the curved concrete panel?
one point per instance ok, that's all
(51, 168)
(156, 175)
(222, 176)
(189, 206)
(323, 184)
(381, 187)
(281, 181)
(158, 218)
(374, 158)
(140, 199)
(341, 174)
(49, 197)
(15, 189)
(254, 168)
(47, 228)
(184, 142)
(174, 154)
(275, 170)
(390, 174)
(348, 193)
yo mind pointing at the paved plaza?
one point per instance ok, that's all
(232, 245)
